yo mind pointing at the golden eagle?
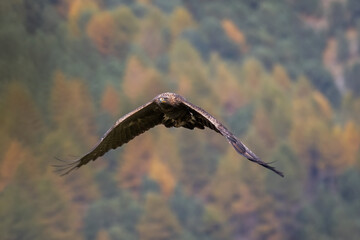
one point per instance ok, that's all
(169, 109)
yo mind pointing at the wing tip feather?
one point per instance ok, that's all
(65, 167)
(252, 157)
(243, 150)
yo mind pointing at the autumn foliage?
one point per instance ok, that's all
(281, 75)
(112, 31)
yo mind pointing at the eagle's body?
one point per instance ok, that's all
(171, 110)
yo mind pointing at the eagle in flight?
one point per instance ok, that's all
(169, 109)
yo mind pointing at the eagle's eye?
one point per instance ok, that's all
(162, 99)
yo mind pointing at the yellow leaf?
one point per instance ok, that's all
(111, 101)
(161, 173)
(235, 34)
(10, 162)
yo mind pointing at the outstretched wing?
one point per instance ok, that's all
(125, 129)
(201, 119)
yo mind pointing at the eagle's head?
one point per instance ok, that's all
(168, 99)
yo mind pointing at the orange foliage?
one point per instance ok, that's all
(22, 120)
(322, 105)
(102, 31)
(329, 55)
(185, 86)
(353, 39)
(110, 101)
(151, 35)
(307, 127)
(10, 162)
(75, 9)
(161, 173)
(186, 63)
(145, 2)
(281, 77)
(72, 108)
(112, 31)
(329, 157)
(319, 142)
(230, 193)
(338, 148)
(140, 82)
(308, 131)
(136, 160)
(73, 116)
(235, 34)
(226, 190)
(140, 158)
(350, 139)
(226, 82)
(135, 79)
(167, 145)
(103, 235)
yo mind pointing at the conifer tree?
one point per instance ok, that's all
(158, 222)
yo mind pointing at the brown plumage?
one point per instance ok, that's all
(169, 109)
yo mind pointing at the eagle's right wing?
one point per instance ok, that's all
(125, 129)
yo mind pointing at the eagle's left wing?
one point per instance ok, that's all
(205, 119)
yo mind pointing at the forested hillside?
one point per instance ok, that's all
(282, 75)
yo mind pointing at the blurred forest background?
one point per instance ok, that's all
(283, 75)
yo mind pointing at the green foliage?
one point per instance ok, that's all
(352, 79)
(323, 80)
(19, 221)
(157, 222)
(190, 213)
(217, 39)
(353, 7)
(309, 7)
(166, 5)
(196, 170)
(245, 113)
(343, 48)
(46, 218)
(338, 20)
(329, 214)
(118, 214)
